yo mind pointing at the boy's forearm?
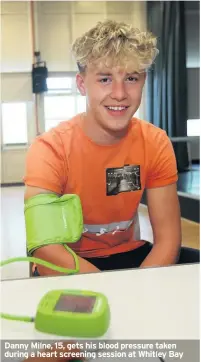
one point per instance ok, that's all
(162, 254)
(58, 255)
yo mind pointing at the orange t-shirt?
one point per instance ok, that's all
(109, 180)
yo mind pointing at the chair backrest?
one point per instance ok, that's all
(136, 226)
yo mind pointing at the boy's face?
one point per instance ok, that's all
(113, 95)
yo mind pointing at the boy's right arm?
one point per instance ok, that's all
(56, 254)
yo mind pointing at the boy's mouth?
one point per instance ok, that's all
(116, 110)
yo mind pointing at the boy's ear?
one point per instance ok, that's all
(80, 84)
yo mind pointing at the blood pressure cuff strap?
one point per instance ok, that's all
(51, 219)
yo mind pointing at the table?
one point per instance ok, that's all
(152, 304)
(157, 302)
(187, 140)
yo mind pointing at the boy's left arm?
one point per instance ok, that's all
(164, 213)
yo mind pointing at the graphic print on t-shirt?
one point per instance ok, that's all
(122, 179)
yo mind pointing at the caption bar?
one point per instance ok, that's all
(106, 350)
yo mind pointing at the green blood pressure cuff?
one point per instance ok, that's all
(51, 219)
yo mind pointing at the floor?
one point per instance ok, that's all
(13, 235)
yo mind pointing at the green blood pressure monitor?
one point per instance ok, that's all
(73, 313)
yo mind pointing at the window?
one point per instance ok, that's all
(62, 101)
(193, 127)
(14, 124)
(59, 85)
(59, 107)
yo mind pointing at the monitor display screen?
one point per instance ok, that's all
(75, 303)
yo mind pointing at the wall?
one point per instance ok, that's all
(193, 66)
(193, 77)
(57, 24)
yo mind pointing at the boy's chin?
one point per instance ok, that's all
(117, 126)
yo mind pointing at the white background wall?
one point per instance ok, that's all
(57, 24)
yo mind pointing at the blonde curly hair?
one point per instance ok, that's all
(111, 43)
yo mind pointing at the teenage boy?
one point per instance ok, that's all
(109, 157)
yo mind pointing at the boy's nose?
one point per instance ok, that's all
(118, 91)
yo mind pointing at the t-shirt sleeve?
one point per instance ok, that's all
(46, 166)
(162, 165)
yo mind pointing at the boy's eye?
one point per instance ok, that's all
(104, 80)
(132, 79)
